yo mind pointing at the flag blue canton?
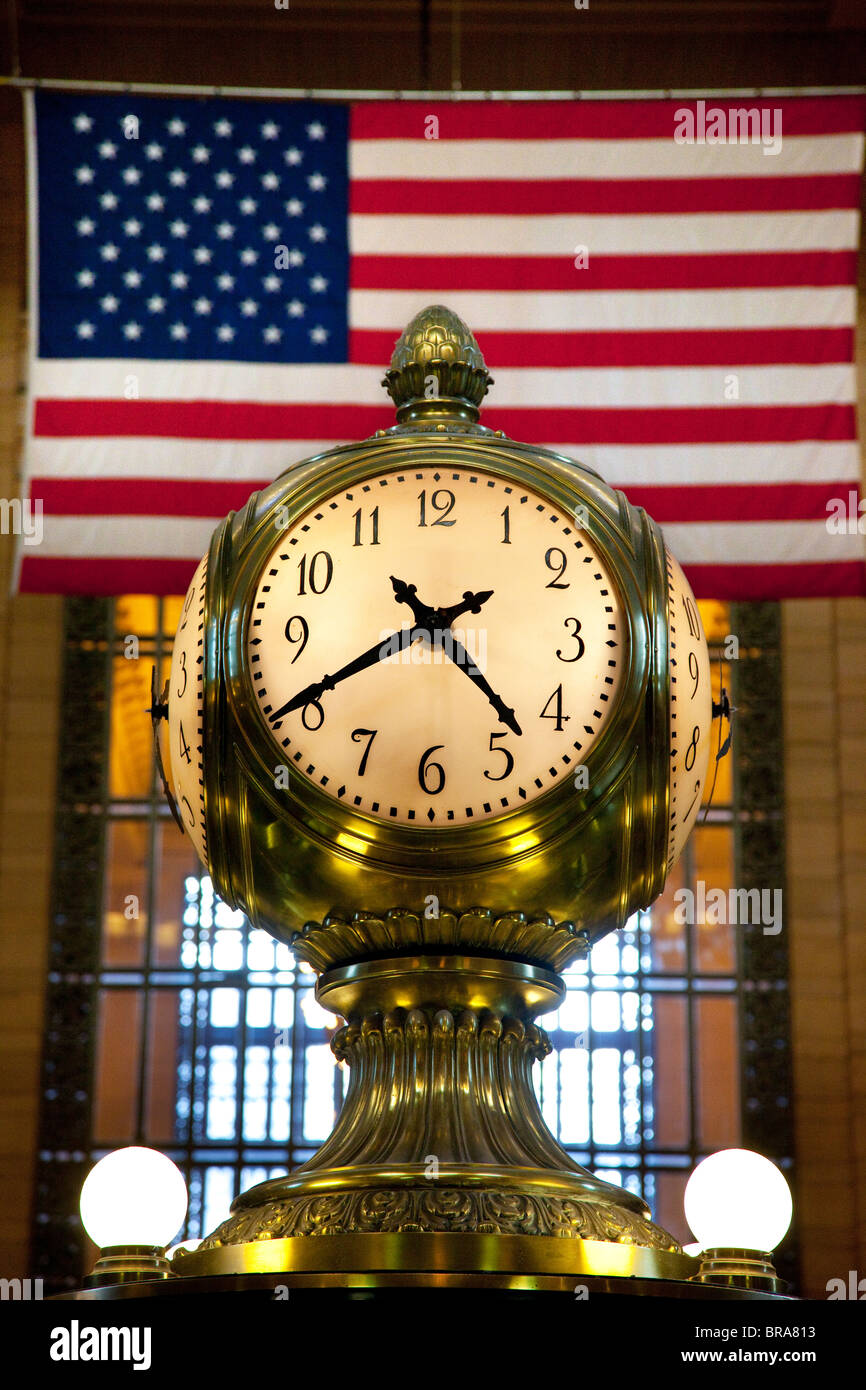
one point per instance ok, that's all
(197, 229)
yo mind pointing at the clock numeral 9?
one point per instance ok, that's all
(369, 735)
(694, 673)
(442, 500)
(298, 636)
(581, 645)
(310, 721)
(509, 760)
(321, 572)
(557, 714)
(556, 560)
(435, 768)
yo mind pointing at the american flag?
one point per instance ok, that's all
(217, 285)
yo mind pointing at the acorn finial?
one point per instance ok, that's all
(437, 368)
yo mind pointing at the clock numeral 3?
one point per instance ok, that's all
(509, 760)
(299, 636)
(321, 572)
(557, 714)
(182, 667)
(581, 645)
(556, 560)
(369, 735)
(442, 500)
(434, 768)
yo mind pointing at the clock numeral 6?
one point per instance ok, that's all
(319, 575)
(436, 769)
(293, 635)
(509, 760)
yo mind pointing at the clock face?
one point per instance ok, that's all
(690, 709)
(186, 712)
(435, 647)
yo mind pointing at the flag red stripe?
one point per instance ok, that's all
(622, 197)
(717, 347)
(589, 120)
(51, 574)
(256, 420)
(748, 270)
(666, 504)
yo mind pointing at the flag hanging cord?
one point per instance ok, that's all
(354, 94)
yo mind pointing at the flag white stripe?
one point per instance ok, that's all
(543, 160)
(652, 234)
(628, 387)
(158, 537)
(255, 461)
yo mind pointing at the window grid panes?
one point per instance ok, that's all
(211, 1046)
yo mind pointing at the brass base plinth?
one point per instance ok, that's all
(441, 1141)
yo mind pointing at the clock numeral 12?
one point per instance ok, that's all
(442, 500)
(374, 517)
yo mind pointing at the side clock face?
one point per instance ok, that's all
(186, 712)
(435, 646)
(690, 709)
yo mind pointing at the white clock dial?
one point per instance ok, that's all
(186, 712)
(504, 704)
(690, 709)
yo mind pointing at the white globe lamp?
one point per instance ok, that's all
(739, 1207)
(133, 1204)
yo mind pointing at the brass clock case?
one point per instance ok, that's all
(589, 857)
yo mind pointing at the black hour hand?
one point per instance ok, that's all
(380, 651)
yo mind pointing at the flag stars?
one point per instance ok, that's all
(109, 252)
(225, 282)
(132, 226)
(225, 333)
(153, 150)
(225, 231)
(318, 284)
(82, 122)
(202, 305)
(131, 175)
(109, 303)
(177, 178)
(108, 201)
(316, 131)
(179, 280)
(84, 174)
(249, 256)
(132, 278)
(223, 128)
(247, 155)
(272, 334)
(179, 331)
(295, 257)
(178, 227)
(85, 329)
(200, 154)
(271, 231)
(201, 204)
(294, 207)
(271, 283)
(317, 182)
(317, 232)
(270, 130)
(293, 156)
(176, 126)
(295, 309)
(249, 308)
(156, 304)
(247, 206)
(155, 252)
(155, 202)
(107, 149)
(86, 226)
(85, 278)
(202, 255)
(224, 179)
(132, 330)
(319, 334)
(270, 180)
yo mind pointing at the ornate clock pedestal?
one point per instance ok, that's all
(441, 1134)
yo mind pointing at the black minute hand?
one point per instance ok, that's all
(380, 651)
